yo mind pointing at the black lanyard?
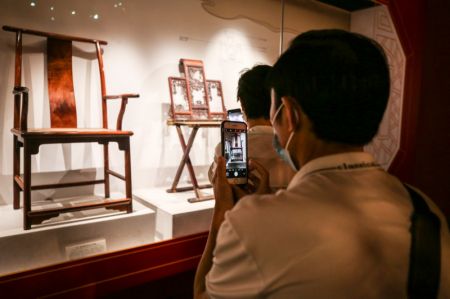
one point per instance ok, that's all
(425, 255)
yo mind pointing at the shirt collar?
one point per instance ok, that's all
(337, 162)
(261, 130)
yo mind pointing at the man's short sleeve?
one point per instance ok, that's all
(234, 273)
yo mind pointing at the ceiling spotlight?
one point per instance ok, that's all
(73, 12)
(52, 8)
(52, 18)
(33, 3)
(96, 17)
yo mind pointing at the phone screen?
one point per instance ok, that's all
(235, 152)
(235, 115)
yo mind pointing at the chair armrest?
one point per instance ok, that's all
(20, 107)
(124, 98)
(125, 95)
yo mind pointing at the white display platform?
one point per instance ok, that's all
(175, 216)
(68, 236)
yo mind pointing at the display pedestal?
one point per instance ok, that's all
(70, 237)
(175, 216)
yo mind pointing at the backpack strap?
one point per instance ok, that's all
(425, 254)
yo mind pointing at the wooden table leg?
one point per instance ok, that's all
(189, 188)
(26, 185)
(185, 160)
(199, 196)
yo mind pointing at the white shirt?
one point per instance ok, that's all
(260, 148)
(334, 233)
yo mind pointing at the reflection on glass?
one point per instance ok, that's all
(226, 52)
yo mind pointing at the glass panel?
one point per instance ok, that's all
(146, 40)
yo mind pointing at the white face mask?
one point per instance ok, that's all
(283, 152)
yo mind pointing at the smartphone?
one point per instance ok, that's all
(235, 115)
(234, 150)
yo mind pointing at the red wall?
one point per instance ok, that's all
(424, 156)
(431, 167)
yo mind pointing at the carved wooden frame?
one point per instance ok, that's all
(222, 113)
(191, 83)
(175, 113)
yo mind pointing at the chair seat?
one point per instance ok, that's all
(71, 132)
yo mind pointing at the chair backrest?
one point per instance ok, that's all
(63, 113)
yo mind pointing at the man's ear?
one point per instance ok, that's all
(293, 113)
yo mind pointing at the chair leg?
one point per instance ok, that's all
(16, 172)
(106, 169)
(26, 185)
(128, 176)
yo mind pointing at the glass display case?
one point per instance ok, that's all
(146, 40)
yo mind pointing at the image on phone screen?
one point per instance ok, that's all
(235, 153)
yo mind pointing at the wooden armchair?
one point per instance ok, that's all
(63, 127)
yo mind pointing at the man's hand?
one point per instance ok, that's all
(259, 178)
(226, 195)
(258, 182)
(223, 192)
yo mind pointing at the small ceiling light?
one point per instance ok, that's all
(115, 5)
(33, 3)
(73, 12)
(52, 8)
(52, 18)
(96, 17)
(120, 4)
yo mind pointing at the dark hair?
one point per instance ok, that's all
(253, 92)
(339, 79)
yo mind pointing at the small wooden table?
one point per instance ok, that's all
(185, 160)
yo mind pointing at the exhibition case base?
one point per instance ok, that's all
(71, 235)
(175, 215)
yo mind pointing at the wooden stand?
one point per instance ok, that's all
(185, 160)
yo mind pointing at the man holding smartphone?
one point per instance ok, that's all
(343, 227)
(254, 97)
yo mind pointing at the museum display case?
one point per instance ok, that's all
(165, 232)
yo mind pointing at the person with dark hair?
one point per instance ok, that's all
(254, 94)
(344, 227)
(254, 97)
